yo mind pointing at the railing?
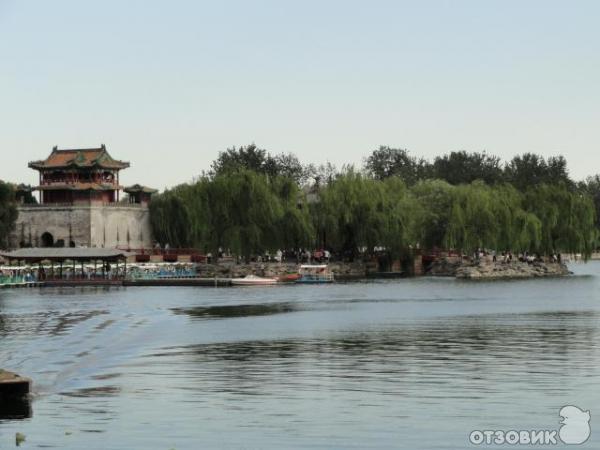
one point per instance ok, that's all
(161, 275)
(162, 251)
(83, 203)
(17, 279)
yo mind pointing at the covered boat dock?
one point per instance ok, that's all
(64, 266)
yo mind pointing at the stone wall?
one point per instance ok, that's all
(341, 271)
(120, 226)
(62, 222)
(88, 226)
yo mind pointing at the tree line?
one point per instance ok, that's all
(252, 201)
(8, 212)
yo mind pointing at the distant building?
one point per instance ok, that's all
(80, 204)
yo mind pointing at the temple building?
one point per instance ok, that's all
(80, 204)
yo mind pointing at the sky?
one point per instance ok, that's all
(166, 85)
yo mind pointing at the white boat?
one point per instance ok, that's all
(253, 280)
(318, 273)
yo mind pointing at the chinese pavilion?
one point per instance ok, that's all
(88, 175)
(80, 204)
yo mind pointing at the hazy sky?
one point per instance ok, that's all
(169, 84)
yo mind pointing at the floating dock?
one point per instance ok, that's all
(13, 385)
(214, 282)
(22, 285)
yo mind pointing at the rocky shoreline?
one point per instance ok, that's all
(489, 270)
(447, 267)
(341, 270)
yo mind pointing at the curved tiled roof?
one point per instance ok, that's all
(139, 188)
(64, 253)
(83, 158)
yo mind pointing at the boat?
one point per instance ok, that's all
(289, 277)
(315, 273)
(253, 280)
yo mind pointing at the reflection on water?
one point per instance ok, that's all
(397, 364)
(458, 350)
(228, 311)
(15, 408)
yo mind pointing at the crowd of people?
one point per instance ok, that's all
(508, 256)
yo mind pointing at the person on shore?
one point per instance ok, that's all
(493, 255)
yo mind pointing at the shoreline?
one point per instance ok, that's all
(220, 275)
(488, 270)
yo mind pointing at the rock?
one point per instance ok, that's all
(272, 269)
(19, 439)
(445, 267)
(499, 270)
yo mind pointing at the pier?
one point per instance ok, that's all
(13, 385)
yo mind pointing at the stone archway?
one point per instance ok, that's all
(47, 240)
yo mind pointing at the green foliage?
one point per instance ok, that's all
(436, 200)
(170, 220)
(463, 167)
(530, 169)
(253, 202)
(591, 187)
(243, 211)
(257, 160)
(491, 217)
(388, 162)
(8, 212)
(357, 212)
(567, 218)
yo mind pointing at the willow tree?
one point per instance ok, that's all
(357, 212)
(472, 223)
(567, 218)
(244, 213)
(8, 213)
(170, 220)
(402, 212)
(294, 227)
(435, 198)
(518, 230)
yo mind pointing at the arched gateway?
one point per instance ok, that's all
(47, 240)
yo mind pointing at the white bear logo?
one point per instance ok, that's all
(575, 425)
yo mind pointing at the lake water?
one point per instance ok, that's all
(404, 364)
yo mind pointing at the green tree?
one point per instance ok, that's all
(529, 169)
(358, 213)
(387, 162)
(463, 167)
(170, 220)
(567, 219)
(8, 213)
(436, 199)
(260, 161)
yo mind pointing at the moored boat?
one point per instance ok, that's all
(253, 280)
(289, 277)
(317, 273)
